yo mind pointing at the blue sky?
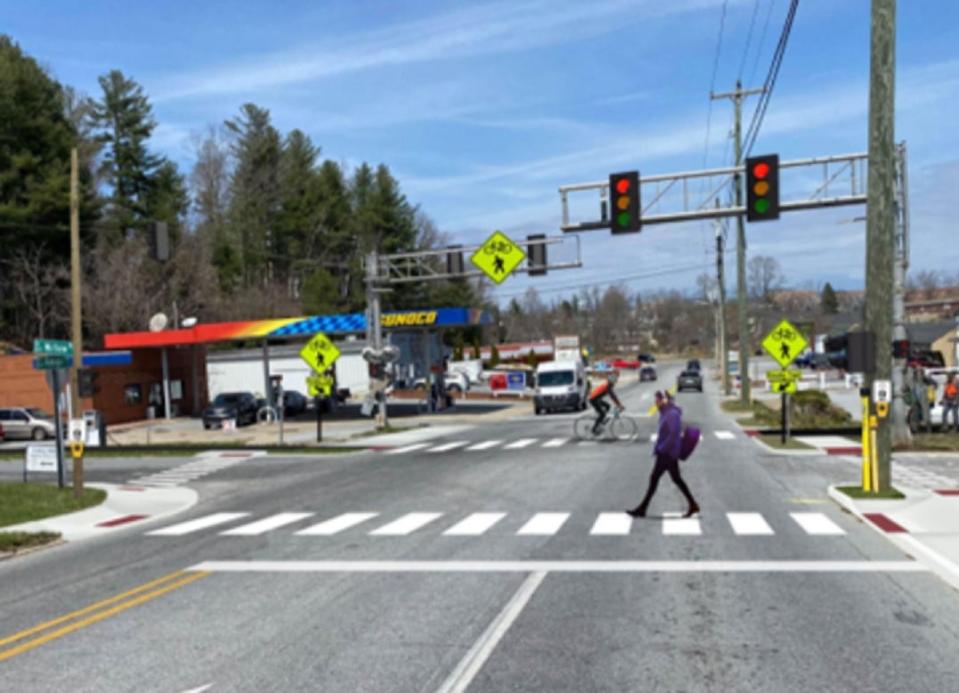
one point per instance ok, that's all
(483, 109)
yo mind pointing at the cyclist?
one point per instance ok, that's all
(597, 398)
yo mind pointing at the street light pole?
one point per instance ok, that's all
(76, 315)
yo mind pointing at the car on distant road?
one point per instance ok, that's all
(690, 380)
(456, 382)
(238, 406)
(693, 365)
(626, 364)
(26, 423)
(647, 358)
(647, 372)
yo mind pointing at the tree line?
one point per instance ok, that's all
(261, 226)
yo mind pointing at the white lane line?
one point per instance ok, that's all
(200, 689)
(408, 448)
(446, 447)
(676, 524)
(474, 525)
(485, 445)
(749, 524)
(562, 567)
(337, 524)
(555, 442)
(544, 524)
(197, 524)
(817, 523)
(725, 435)
(464, 673)
(612, 524)
(407, 524)
(265, 525)
(519, 444)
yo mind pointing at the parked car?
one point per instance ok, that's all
(294, 403)
(26, 423)
(647, 373)
(690, 380)
(1, 433)
(693, 365)
(456, 381)
(626, 364)
(239, 406)
(647, 358)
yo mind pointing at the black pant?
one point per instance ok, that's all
(666, 464)
(601, 407)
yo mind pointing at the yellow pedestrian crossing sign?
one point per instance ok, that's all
(784, 343)
(319, 385)
(781, 386)
(320, 353)
(498, 256)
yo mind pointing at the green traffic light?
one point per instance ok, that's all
(761, 206)
(623, 219)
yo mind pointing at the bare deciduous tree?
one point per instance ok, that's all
(764, 276)
(42, 290)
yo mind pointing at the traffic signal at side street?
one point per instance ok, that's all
(762, 188)
(624, 202)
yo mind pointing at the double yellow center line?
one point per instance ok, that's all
(98, 611)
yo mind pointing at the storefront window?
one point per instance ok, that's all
(131, 394)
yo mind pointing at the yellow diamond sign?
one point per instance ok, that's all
(320, 353)
(787, 386)
(498, 256)
(784, 343)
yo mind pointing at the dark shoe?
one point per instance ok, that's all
(637, 512)
(693, 509)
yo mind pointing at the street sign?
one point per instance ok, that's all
(46, 363)
(319, 385)
(784, 343)
(59, 347)
(784, 386)
(42, 457)
(498, 256)
(783, 376)
(320, 353)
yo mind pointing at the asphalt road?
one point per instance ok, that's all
(495, 568)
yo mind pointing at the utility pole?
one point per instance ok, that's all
(721, 281)
(374, 336)
(901, 435)
(741, 297)
(76, 315)
(881, 212)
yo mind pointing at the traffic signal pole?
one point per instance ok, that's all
(881, 214)
(741, 296)
(76, 316)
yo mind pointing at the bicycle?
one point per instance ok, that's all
(616, 427)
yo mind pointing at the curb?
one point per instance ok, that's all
(8, 555)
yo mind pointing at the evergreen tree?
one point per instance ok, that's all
(167, 200)
(300, 203)
(829, 303)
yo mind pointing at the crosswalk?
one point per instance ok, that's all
(203, 465)
(541, 524)
(498, 444)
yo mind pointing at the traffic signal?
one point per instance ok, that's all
(624, 202)
(536, 254)
(87, 382)
(900, 349)
(762, 188)
(159, 240)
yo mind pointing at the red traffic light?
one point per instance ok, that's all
(761, 170)
(622, 186)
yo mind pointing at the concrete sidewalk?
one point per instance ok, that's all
(124, 506)
(924, 524)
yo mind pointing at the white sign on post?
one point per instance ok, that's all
(42, 458)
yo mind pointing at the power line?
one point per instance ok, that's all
(770, 83)
(762, 42)
(712, 83)
(749, 38)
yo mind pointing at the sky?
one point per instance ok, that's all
(482, 110)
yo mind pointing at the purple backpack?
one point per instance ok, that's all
(689, 442)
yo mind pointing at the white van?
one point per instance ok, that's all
(560, 385)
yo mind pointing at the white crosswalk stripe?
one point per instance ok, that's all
(474, 525)
(178, 530)
(446, 447)
(336, 524)
(265, 525)
(749, 524)
(725, 435)
(555, 442)
(612, 524)
(544, 524)
(485, 445)
(675, 523)
(407, 524)
(408, 448)
(817, 523)
(520, 444)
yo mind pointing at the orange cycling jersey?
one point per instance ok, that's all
(951, 391)
(599, 390)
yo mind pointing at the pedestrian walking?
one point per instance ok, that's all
(667, 452)
(950, 403)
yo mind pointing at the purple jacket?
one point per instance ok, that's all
(669, 438)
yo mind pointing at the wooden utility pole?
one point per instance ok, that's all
(76, 319)
(881, 212)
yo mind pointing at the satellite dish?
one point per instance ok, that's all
(158, 322)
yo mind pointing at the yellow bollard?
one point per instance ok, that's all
(866, 452)
(873, 455)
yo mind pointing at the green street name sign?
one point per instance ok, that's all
(50, 362)
(56, 347)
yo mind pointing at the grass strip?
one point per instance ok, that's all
(17, 541)
(858, 493)
(21, 502)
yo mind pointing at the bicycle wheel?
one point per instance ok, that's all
(622, 429)
(583, 427)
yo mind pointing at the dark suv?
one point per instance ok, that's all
(693, 365)
(239, 406)
(690, 380)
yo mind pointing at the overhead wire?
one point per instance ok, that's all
(749, 38)
(761, 43)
